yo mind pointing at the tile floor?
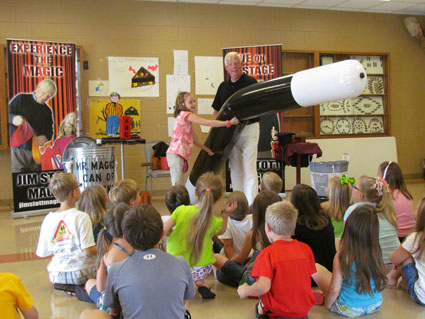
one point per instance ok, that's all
(18, 238)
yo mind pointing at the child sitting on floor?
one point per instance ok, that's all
(409, 260)
(314, 226)
(339, 193)
(125, 191)
(111, 248)
(151, 283)
(67, 235)
(402, 199)
(195, 227)
(14, 296)
(283, 269)
(176, 196)
(238, 225)
(94, 201)
(237, 270)
(354, 288)
(376, 192)
(270, 181)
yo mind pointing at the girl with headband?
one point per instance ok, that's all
(403, 200)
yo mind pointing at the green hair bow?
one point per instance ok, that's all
(347, 180)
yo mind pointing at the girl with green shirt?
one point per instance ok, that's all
(195, 226)
(339, 194)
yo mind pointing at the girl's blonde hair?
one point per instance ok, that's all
(339, 198)
(93, 201)
(124, 191)
(243, 206)
(180, 106)
(61, 185)
(420, 229)
(112, 229)
(376, 190)
(209, 189)
(271, 182)
(71, 119)
(360, 247)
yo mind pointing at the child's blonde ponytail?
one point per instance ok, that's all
(209, 189)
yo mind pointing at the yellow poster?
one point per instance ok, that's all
(101, 109)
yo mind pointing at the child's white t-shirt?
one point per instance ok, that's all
(237, 230)
(410, 245)
(64, 235)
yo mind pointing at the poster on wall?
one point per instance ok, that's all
(42, 118)
(263, 63)
(98, 111)
(98, 88)
(175, 85)
(134, 77)
(208, 74)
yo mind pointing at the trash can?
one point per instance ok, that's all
(321, 171)
(93, 165)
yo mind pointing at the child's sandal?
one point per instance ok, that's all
(257, 315)
(206, 292)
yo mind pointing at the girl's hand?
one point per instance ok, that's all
(234, 121)
(208, 150)
(230, 207)
(242, 291)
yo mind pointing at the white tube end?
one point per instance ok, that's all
(331, 82)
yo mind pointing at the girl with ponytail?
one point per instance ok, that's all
(195, 226)
(375, 191)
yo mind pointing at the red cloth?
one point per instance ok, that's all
(290, 152)
(22, 134)
(289, 265)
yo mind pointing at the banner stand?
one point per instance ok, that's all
(42, 119)
(30, 213)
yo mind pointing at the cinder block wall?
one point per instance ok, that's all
(145, 29)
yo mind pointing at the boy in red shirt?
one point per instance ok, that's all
(283, 269)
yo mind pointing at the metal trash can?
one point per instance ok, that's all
(92, 165)
(321, 171)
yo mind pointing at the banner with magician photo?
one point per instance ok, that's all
(42, 118)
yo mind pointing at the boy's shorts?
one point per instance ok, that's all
(78, 277)
(410, 275)
(201, 272)
(348, 311)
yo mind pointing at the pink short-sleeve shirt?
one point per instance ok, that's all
(182, 136)
(406, 220)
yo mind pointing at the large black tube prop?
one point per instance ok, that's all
(341, 80)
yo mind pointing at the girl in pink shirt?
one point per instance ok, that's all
(403, 200)
(183, 136)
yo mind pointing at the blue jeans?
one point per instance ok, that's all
(410, 274)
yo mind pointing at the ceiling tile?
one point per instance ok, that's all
(358, 4)
(394, 6)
